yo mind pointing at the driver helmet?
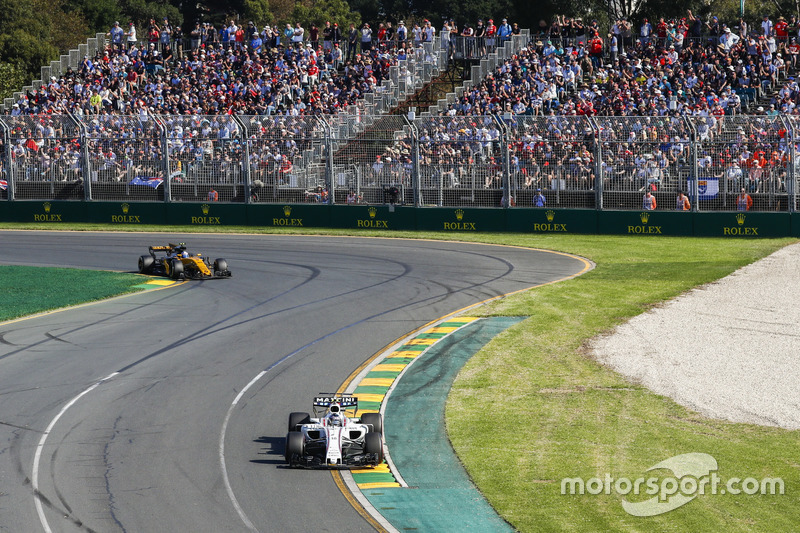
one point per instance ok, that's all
(335, 415)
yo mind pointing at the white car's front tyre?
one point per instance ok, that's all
(373, 444)
(375, 420)
(295, 447)
(298, 418)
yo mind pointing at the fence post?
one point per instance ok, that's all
(86, 166)
(6, 160)
(165, 146)
(411, 121)
(695, 192)
(506, 168)
(599, 176)
(12, 174)
(330, 182)
(791, 169)
(245, 157)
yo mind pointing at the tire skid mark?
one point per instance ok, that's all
(112, 506)
(59, 495)
(4, 341)
(59, 339)
(26, 428)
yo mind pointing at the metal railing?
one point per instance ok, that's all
(490, 58)
(486, 161)
(72, 59)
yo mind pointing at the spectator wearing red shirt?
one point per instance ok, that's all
(313, 72)
(596, 50)
(792, 50)
(491, 33)
(782, 30)
(661, 31)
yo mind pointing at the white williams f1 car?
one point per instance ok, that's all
(331, 438)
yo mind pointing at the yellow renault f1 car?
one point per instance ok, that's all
(176, 263)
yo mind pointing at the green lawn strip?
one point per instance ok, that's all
(532, 408)
(29, 290)
(371, 389)
(413, 347)
(431, 336)
(369, 406)
(384, 373)
(373, 477)
(391, 361)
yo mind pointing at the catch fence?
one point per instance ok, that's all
(609, 163)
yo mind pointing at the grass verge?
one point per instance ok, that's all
(29, 290)
(531, 408)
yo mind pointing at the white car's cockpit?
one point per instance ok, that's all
(335, 416)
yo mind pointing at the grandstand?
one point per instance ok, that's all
(538, 112)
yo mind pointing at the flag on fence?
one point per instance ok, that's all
(707, 188)
(4, 185)
(147, 180)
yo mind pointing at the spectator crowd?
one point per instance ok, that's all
(656, 75)
(676, 69)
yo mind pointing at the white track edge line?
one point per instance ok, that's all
(40, 448)
(221, 450)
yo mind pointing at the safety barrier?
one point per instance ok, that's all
(741, 164)
(51, 214)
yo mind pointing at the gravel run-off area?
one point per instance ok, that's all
(729, 350)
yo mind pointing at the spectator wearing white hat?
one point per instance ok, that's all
(402, 32)
(131, 33)
(366, 38)
(728, 39)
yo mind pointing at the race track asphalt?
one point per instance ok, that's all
(129, 415)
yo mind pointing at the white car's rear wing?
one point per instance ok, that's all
(345, 401)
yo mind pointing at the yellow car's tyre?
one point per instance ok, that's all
(175, 269)
(146, 264)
